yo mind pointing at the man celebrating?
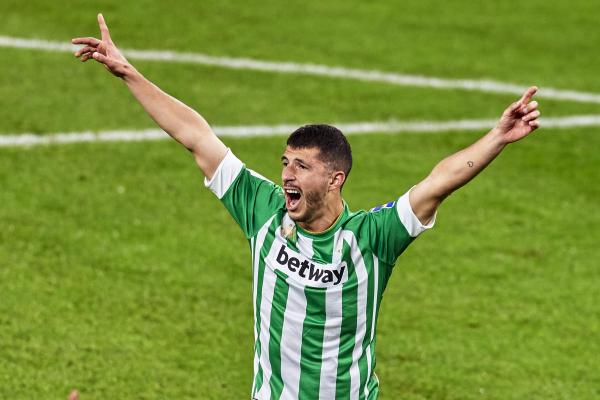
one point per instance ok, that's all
(319, 270)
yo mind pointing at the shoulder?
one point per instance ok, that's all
(232, 171)
(394, 215)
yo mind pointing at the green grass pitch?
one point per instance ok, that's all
(120, 275)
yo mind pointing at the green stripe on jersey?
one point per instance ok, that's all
(348, 332)
(261, 250)
(312, 343)
(323, 249)
(275, 328)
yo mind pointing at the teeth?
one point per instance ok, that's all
(292, 191)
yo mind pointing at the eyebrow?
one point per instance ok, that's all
(300, 160)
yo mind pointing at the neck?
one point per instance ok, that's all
(326, 220)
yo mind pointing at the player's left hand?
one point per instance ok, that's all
(520, 118)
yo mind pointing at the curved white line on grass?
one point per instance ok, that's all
(315, 69)
(29, 139)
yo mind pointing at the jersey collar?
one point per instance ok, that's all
(329, 231)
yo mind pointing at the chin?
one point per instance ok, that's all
(297, 215)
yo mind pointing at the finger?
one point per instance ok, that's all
(528, 95)
(103, 29)
(534, 124)
(513, 108)
(84, 50)
(74, 395)
(87, 56)
(530, 107)
(101, 58)
(531, 116)
(90, 41)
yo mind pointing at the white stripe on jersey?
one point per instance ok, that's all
(291, 335)
(254, 281)
(361, 310)
(375, 294)
(291, 340)
(256, 245)
(305, 246)
(333, 326)
(268, 290)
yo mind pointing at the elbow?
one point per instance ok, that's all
(440, 187)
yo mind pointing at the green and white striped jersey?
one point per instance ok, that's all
(316, 296)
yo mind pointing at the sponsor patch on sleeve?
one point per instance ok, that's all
(381, 207)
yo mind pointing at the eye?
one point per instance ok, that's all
(302, 166)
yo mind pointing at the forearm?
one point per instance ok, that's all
(456, 170)
(177, 119)
(453, 172)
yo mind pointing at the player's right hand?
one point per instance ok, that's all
(104, 51)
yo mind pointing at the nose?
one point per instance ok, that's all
(287, 174)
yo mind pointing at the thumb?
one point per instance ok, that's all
(74, 395)
(114, 66)
(101, 58)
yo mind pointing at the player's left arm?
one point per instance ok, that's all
(517, 121)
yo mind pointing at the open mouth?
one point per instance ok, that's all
(292, 198)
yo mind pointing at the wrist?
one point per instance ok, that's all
(130, 75)
(497, 138)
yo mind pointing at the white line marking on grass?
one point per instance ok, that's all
(29, 139)
(315, 69)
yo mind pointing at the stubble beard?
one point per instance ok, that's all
(315, 202)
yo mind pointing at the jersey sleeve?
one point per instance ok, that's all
(392, 227)
(249, 197)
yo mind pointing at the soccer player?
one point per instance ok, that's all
(319, 270)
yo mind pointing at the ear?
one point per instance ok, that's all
(337, 180)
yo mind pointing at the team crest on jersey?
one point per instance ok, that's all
(288, 229)
(381, 207)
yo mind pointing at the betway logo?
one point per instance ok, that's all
(308, 271)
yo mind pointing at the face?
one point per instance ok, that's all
(307, 183)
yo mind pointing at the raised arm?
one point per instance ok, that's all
(517, 121)
(178, 120)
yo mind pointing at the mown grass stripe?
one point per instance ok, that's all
(286, 67)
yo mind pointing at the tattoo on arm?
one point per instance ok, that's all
(470, 164)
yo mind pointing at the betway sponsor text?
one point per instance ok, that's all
(320, 275)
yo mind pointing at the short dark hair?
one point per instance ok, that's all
(333, 146)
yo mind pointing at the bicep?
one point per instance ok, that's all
(209, 151)
(425, 199)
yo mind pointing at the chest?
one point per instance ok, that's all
(334, 262)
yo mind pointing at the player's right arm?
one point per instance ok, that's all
(180, 121)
